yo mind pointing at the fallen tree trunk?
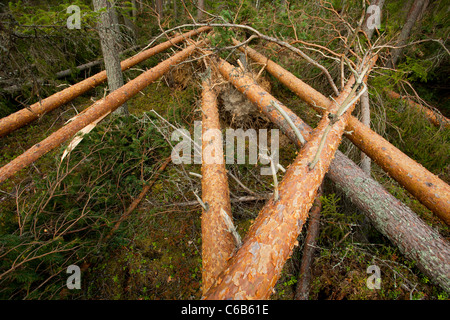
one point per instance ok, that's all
(138, 199)
(33, 112)
(435, 118)
(429, 189)
(255, 268)
(304, 275)
(89, 65)
(98, 109)
(217, 240)
(61, 74)
(416, 240)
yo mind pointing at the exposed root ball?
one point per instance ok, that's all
(238, 111)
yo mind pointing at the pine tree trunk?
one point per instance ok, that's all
(40, 108)
(200, 9)
(416, 240)
(175, 9)
(366, 27)
(217, 241)
(365, 119)
(365, 102)
(411, 19)
(424, 185)
(109, 43)
(254, 269)
(97, 110)
(159, 8)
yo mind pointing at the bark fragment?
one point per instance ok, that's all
(424, 185)
(33, 112)
(98, 109)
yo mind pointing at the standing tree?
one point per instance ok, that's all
(200, 9)
(411, 19)
(109, 44)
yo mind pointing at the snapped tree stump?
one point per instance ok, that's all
(97, 110)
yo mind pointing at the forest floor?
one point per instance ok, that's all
(156, 254)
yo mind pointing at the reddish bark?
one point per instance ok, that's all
(425, 186)
(255, 268)
(415, 239)
(217, 241)
(304, 278)
(435, 119)
(33, 112)
(98, 109)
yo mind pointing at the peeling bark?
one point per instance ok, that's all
(422, 184)
(217, 241)
(416, 240)
(255, 268)
(98, 109)
(33, 112)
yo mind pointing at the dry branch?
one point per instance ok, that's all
(33, 112)
(217, 242)
(302, 290)
(415, 239)
(425, 186)
(108, 104)
(435, 118)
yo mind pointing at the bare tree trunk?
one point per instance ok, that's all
(134, 10)
(415, 239)
(435, 118)
(108, 41)
(369, 28)
(304, 275)
(26, 115)
(254, 269)
(97, 110)
(159, 8)
(411, 19)
(200, 9)
(175, 9)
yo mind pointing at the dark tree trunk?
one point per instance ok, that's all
(411, 19)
